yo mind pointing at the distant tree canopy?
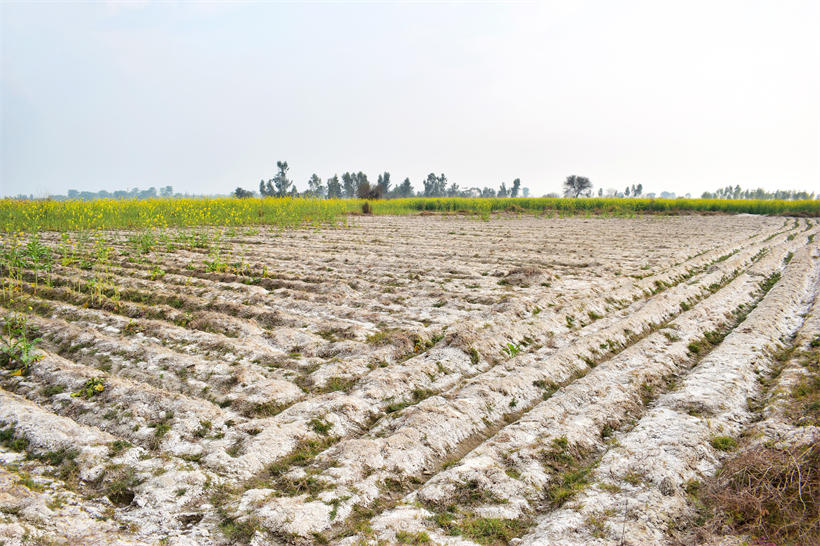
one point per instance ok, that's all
(349, 188)
(134, 193)
(515, 187)
(384, 183)
(356, 184)
(279, 185)
(435, 186)
(365, 191)
(405, 189)
(361, 184)
(334, 189)
(737, 192)
(575, 186)
(315, 187)
(241, 193)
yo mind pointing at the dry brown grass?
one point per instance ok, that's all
(772, 493)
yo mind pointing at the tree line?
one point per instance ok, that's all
(356, 185)
(133, 193)
(737, 192)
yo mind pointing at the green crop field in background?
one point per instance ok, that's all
(27, 216)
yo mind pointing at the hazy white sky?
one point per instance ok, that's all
(682, 96)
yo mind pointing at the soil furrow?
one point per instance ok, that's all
(643, 479)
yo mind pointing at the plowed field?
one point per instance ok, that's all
(404, 379)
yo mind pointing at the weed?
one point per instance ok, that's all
(404, 537)
(769, 282)
(723, 443)
(788, 258)
(266, 409)
(694, 347)
(767, 492)
(51, 390)
(511, 349)
(8, 440)
(90, 388)
(647, 390)
(418, 396)
(203, 430)
(548, 386)
(17, 352)
(320, 426)
(117, 482)
(116, 447)
(334, 384)
(596, 525)
(304, 452)
(471, 493)
(492, 530)
(633, 477)
(239, 531)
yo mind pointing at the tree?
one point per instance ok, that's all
(150, 193)
(626, 191)
(363, 189)
(435, 186)
(315, 187)
(360, 179)
(431, 185)
(525, 191)
(348, 185)
(242, 193)
(280, 181)
(600, 192)
(441, 185)
(384, 183)
(575, 185)
(515, 187)
(502, 190)
(405, 189)
(167, 191)
(334, 189)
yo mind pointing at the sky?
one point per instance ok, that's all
(677, 96)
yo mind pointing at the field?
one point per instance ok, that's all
(27, 216)
(303, 376)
